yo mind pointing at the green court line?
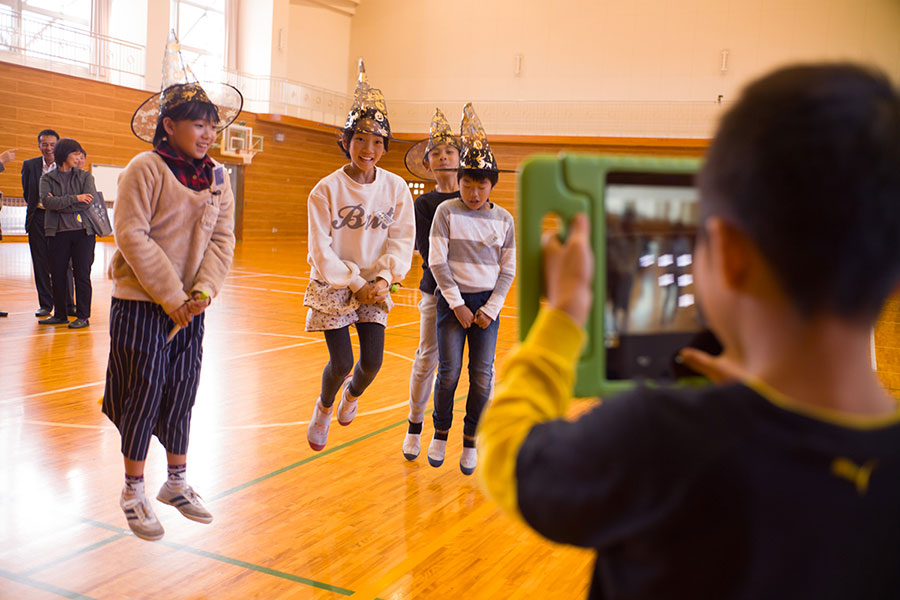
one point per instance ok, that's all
(225, 559)
(260, 569)
(72, 555)
(315, 456)
(43, 586)
(244, 564)
(106, 526)
(306, 460)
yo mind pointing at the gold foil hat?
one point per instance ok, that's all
(369, 112)
(476, 152)
(439, 134)
(179, 86)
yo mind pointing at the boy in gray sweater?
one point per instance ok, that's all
(473, 258)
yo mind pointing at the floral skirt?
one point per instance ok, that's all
(331, 308)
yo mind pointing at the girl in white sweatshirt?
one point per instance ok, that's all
(361, 236)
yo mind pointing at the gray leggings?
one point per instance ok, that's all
(371, 352)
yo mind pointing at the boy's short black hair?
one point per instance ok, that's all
(478, 175)
(807, 165)
(64, 148)
(47, 132)
(189, 111)
(347, 135)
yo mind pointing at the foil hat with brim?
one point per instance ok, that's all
(226, 98)
(440, 133)
(179, 86)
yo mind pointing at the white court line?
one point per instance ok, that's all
(221, 428)
(99, 383)
(402, 325)
(508, 308)
(309, 341)
(51, 333)
(287, 335)
(51, 392)
(294, 292)
(246, 287)
(258, 274)
(296, 423)
(258, 352)
(399, 356)
(66, 425)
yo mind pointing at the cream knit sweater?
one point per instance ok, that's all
(171, 240)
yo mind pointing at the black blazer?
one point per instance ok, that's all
(32, 170)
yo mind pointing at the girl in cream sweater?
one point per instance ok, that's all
(174, 222)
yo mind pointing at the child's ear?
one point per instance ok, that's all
(169, 125)
(731, 251)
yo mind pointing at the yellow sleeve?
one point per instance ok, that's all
(536, 386)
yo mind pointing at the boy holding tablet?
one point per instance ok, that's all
(782, 480)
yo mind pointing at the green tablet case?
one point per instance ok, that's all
(564, 185)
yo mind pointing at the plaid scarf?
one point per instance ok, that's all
(195, 174)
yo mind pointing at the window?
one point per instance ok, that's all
(47, 29)
(128, 20)
(200, 26)
(93, 38)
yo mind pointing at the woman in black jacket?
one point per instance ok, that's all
(67, 193)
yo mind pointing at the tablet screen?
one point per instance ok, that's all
(651, 308)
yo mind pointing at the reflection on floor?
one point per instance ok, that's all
(289, 522)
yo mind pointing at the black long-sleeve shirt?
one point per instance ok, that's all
(425, 207)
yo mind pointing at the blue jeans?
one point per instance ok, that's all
(451, 339)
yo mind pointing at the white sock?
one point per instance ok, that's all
(176, 476)
(134, 486)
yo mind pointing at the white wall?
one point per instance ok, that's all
(255, 46)
(318, 42)
(281, 10)
(158, 15)
(607, 50)
(589, 67)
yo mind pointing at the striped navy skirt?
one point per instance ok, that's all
(151, 385)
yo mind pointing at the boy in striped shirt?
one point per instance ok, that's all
(473, 259)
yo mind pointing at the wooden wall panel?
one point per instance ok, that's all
(279, 180)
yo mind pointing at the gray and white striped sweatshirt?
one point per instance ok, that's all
(473, 251)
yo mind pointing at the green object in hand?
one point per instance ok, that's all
(395, 287)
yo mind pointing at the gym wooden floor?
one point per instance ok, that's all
(354, 520)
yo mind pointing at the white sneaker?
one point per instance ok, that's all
(186, 500)
(468, 460)
(317, 432)
(411, 446)
(346, 407)
(436, 450)
(140, 516)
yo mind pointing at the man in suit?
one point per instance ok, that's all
(32, 170)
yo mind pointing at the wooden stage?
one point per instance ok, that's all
(355, 520)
